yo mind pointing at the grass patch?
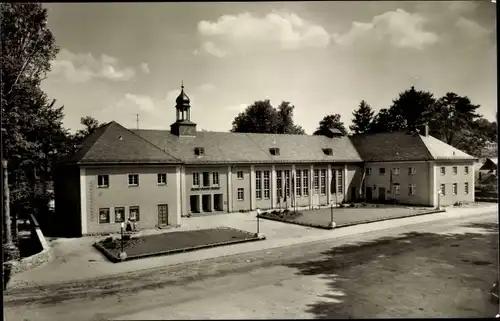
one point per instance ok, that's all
(172, 242)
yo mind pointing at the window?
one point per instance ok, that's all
(443, 170)
(454, 170)
(395, 188)
(215, 178)
(258, 184)
(133, 213)
(162, 179)
(133, 179)
(199, 151)
(396, 171)
(119, 214)
(267, 185)
(368, 171)
(411, 189)
(305, 185)
(239, 174)
(298, 182)
(196, 179)
(102, 181)
(328, 151)
(443, 189)
(287, 183)
(274, 151)
(466, 170)
(241, 194)
(381, 171)
(412, 170)
(206, 179)
(339, 181)
(316, 181)
(455, 188)
(279, 183)
(466, 188)
(323, 182)
(104, 215)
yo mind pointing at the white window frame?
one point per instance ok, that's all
(412, 189)
(267, 184)
(239, 175)
(287, 182)
(442, 188)
(131, 176)
(298, 183)
(322, 181)
(104, 178)
(340, 181)
(466, 170)
(412, 171)
(466, 188)
(454, 170)
(160, 180)
(109, 215)
(279, 184)
(258, 185)
(215, 178)
(455, 188)
(368, 171)
(203, 179)
(305, 182)
(196, 179)
(123, 213)
(396, 170)
(442, 170)
(241, 194)
(396, 188)
(138, 216)
(316, 181)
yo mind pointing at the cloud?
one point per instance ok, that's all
(472, 28)
(207, 87)
(144, 68)
(245, 32)
(84, 67)
(239, 108)
(399, 28)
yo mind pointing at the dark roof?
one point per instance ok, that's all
(224, 147)
(402, 146)
(182, 99)
(114, 144)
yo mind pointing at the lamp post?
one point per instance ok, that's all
(332, 223)
(258, 234)
(439, 198)
(123, 255)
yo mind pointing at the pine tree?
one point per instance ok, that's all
(363, 117)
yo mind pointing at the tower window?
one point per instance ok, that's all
(199, 151)
(274, 151)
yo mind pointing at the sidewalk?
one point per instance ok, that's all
(76, 259)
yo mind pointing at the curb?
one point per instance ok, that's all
(350, 224)
(115, 259)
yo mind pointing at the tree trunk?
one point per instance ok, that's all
(10, 248)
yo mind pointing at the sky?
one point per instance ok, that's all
(117, 60)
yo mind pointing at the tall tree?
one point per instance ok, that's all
(32, 131)
(412, 109)
(90, 125)
(330, 122)
(262, 117)
(363, 117)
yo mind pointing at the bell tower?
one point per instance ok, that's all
(183, 125)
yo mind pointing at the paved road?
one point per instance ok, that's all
(442, 268)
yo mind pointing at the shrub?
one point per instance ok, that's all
(364, 204)
(341, 205)
(352, 205)
(457, 204)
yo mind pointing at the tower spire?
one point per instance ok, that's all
(182, 84)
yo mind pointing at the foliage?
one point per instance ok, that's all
(330, 122)
(90, 125)
(363, 117)
(32, 132)
(262, 117)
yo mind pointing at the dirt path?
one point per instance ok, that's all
(418, 275)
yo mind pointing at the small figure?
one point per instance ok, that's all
(129, 226)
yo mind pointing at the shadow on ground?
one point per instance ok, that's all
(413, 275)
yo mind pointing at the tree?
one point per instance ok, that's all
(262, 117)
(330, 122)
(411, 110)
(90, 125)
(32, 132)
(363, 118)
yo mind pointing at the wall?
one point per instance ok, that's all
(354, 176)
(221, 189)
(67, 200)
(240, 183)
(420, 179)
(147, 196)
(460, 178)
(264, 203)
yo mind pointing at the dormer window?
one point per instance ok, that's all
(199, 151)
(274, 151)
(328, 151)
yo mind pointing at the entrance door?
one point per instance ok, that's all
(353, 194)
(369, 194)
(163, 214)
(194, 203)
(381, 193)
(206, 203)
(218, 202)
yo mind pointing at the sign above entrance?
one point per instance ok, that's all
(205, 188)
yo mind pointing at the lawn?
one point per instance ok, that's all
(172, 242)
(347, 216)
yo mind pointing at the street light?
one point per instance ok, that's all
(332, 223)
(258, 234)
(439, 193)
(123, 255)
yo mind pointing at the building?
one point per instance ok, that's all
(156, 177)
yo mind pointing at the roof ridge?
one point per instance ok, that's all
(427, 148)
(103, 129)
(148, 142)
